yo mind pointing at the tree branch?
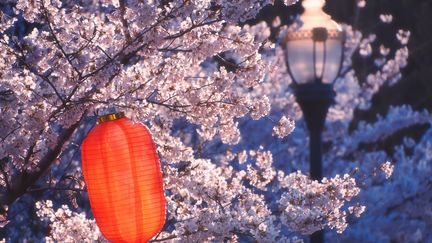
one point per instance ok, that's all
(26, 179)
(124, 22)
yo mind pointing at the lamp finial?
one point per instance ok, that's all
(315, 17)
(313, 4)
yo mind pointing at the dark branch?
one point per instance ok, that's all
(26, 179)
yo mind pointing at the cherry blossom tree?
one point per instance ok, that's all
(215, 94)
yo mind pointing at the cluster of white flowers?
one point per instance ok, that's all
(356, 210)
(397, 118)
(361, 3)
(68, 226)
(387, 168)
(211, 203)
(403, 36)
(290, 2)
(261, 175)
(284, 127)
(365, 45)
(309, 205)
(386, 18)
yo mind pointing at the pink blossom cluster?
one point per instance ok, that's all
(309, 205)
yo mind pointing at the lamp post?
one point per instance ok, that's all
(313, 56)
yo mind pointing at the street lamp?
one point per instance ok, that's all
(314, 55)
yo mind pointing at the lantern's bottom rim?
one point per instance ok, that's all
(111, 117)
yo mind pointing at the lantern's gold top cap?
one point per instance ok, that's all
(111, 117)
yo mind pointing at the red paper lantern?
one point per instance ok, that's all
(124, 180)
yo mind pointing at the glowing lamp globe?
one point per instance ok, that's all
(314, 52)
(124, 180)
